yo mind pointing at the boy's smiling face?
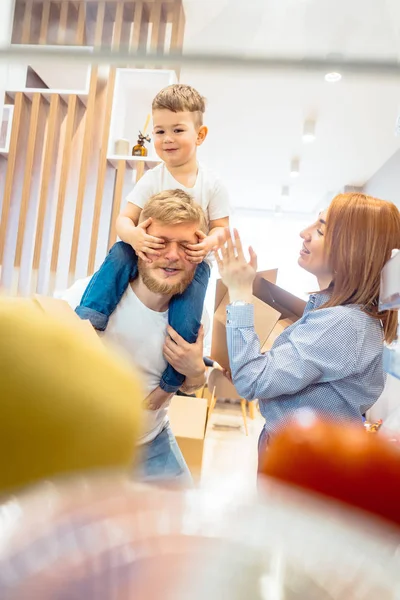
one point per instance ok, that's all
(177, 136)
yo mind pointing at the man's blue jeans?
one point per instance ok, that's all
(162, 460)
(108, 285)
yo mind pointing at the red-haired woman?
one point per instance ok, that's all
(331, 359)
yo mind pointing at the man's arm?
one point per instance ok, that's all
(191, 385)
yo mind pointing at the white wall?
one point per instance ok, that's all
(385, 183)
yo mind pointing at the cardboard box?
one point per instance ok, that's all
(274, 310)
(188, 419)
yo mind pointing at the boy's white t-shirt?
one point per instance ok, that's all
(139, 333)
(208, 191)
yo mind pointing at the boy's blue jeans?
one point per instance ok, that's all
(108, 285)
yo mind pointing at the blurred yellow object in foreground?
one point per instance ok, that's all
(67, 404)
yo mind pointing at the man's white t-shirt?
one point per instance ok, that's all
(208, 191)
(139, 333)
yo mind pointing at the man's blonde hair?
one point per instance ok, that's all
(173, 207)
(181, 98)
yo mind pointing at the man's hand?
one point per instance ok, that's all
(236, 273)
(184, 357)
(145, 244)
(196, 253)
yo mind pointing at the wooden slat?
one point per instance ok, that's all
(48, 165)
(140, 168)
(81, 25)
(101, 173)
(137, 24)
(69, 130)
(44, 25)
(26, 189)
(86, 153)
(178, 27)
(119, 17)
(155, 19)
(12, 155)
(26, 26)
(116, 206)
(104, 145)
(63, 22)
(101, 10)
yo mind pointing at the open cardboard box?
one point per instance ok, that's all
(188, 418)
(274, 310)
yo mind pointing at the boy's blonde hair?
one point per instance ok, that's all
(173, 207)
(181, 98)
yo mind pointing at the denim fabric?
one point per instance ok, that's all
(185, 312)
(108, 285)
(162, 460)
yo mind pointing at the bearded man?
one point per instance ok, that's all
(139, 326)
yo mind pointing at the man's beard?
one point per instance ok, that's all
(163, 287)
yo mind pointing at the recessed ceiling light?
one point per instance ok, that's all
(309, 132)
(295, 168)
(333, 77)
(285, 192)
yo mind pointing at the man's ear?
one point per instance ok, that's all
(201, 135)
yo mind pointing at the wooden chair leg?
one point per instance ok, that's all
(252, 410)
(243, 406)
(213, 402)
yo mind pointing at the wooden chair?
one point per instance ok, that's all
(221, 387)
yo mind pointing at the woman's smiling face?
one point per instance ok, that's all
(312, 256)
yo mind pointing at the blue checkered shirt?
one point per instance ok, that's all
(330, 361)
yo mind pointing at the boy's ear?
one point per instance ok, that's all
(201, 135)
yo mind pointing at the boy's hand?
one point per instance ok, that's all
(197, 252)
(145, 244)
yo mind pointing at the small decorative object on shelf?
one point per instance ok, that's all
(140, 149)
(122, 147)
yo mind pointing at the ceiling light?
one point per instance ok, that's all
(309, 132)
(278, 210)
(295, 168)
(285, 192)
(333, 77)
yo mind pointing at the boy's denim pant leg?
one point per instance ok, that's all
(185, 312)
(162, 460)
(108, 285)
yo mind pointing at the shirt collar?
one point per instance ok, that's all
(316, 300)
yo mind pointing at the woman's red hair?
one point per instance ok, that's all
(361, 232)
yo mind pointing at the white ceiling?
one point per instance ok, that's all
(256, 118)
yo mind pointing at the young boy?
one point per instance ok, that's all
(178, 131)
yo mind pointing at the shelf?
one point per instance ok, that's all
(134, 92)
(47, 94)
(68, 78)
(131, 161)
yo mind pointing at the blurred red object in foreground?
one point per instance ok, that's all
(339, 461)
